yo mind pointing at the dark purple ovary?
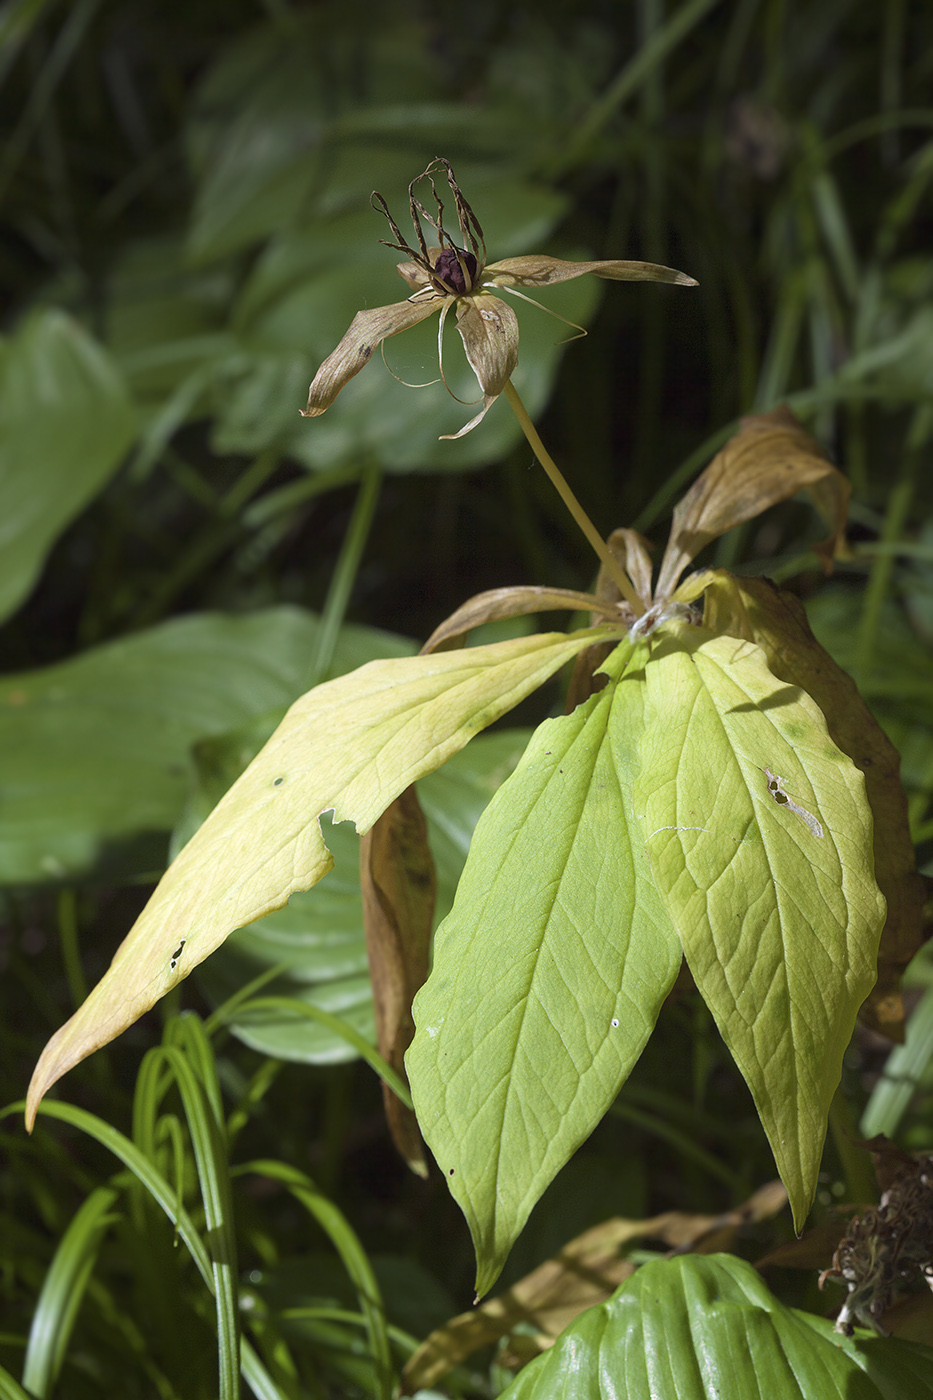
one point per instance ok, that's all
(448, 269)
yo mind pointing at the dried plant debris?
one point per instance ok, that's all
(889, 1247)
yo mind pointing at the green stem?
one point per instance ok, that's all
(345, 573)
(899, 503)
(861, 1186)
(614, 568)
(71, 953)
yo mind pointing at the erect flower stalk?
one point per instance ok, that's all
(615, 569)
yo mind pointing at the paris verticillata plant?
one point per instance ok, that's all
(718, 792)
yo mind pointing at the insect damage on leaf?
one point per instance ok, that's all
(776, 789)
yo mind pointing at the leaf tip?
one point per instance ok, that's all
(45, 1074)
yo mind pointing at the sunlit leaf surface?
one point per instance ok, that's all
(706, 1327)
(769, 887)
(349, 746)
(548, 973)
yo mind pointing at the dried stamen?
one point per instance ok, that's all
(454, 271)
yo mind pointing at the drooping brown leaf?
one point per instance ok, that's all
(757, 610)
(585, 1272)
(768, 460)
(814, 1249)
(498, 603)
(399, 888)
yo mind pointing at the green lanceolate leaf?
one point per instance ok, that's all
(760, 839)
(548, 973)
(707, 1328)
(350, 747)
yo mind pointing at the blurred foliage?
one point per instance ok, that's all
(185, 234)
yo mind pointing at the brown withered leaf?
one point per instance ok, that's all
(768, 460)
(399, 886)
(586, 1272)
(911, 1319)
(499, 603)
(891, 1163)
(815, 1247)
(633, 552)
(757, 610)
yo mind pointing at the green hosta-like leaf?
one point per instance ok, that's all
(65, 423)
(779, 924)
(97, 749)
(707, 1328)
(350, 747)
(548, 973)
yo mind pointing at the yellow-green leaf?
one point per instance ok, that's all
(756, 609)
(349, 746)
(760, 838)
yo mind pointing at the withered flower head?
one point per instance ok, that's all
(451, 276)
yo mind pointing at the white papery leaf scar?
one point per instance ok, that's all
(776, 789)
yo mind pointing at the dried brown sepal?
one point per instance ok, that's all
(489, 331)
(399, 887)
(538, 270)
(757, 610)
(768, 460)
(367, 331)
(586, 1272)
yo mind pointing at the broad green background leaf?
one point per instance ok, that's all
(269, 143)
(65, 423)
(349, 746)
(548, 974)
(98, 749)
(277, 164)
(705, 1327)
(320, 933)
(780, 928)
